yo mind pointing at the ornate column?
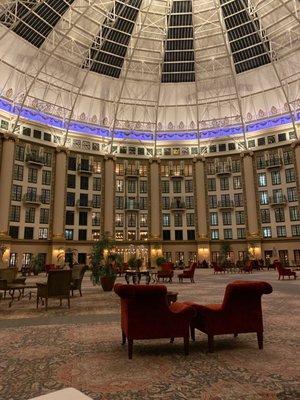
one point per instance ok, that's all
(109, 194)
(253, 233)
(6, 177)
(201, 208)
(154, 199)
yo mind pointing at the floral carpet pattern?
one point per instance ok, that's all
(81, 348)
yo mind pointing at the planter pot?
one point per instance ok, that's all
(107, 283)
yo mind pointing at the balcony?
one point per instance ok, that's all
(178, 174)
(85, 168)
(178, 205)
(132, 206)
(32, 198)
(86, 204)
(35, 159)
(223, 169)
(277, 200)
(274, 162)
(132, 173)
(226, 205)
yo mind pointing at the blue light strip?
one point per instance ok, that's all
(89, 129)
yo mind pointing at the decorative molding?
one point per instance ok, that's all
(247, 153)
(110, 157)
(62, 149)
(154, 159)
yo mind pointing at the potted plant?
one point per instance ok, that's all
(135, 263)
(104, 263)
(159, 261)
(224, 256)
(36, 264)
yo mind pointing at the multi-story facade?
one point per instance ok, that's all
(183, 203)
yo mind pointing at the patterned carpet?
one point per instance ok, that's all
(42, 352)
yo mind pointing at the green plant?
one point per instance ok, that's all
(103, 260)
(134, 262)
(160, 260)
(224, 253)
(36, 264)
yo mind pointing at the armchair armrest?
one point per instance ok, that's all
(183, 309)
(19, 280)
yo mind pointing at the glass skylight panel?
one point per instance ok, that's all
(36, 19)
(179, 57)
(245, 35)
(109, 49)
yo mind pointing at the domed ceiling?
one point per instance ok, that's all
(150, 66)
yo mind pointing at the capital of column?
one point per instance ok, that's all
(199, 158)
(62, 149)
(4, 236)
(296, 143)
(247, 153)
(154, 159)
(10, 136)
(110, 157)
(253, 236)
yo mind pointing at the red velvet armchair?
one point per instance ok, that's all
(240, 312)
(188, 273)
(146, 315)
(282, 272)
(218, 269)
(167, 272)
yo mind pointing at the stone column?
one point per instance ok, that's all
(58, 228)
(109, 194)
(155, 199)
(296, 147)
(250, 196)
(200, 199)
(6, 177)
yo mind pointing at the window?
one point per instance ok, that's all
(260, 160)
(82, 234)
(96, 200)
(131, 185)
(177, 219)
(176, 186)
(14, 232)
(166, 235)
(47, 159)
(290, 175)
(46, 177)
(28, 233)
(119, 220)
(119, 185)
(165, 203)
(44, 215)
(69, 234)
(32, 175)
(212, 201)
(178, 235)
(225, 199)
(70, 199)
(279, 214)
(297, 256)
(16, 194)
(263, 197)
(238, 200)
(265, 216)
(241, 233)
(30, 215)
(213, 218)
(119, 203)
(96, 218)
(189, 202)
(237, 182)
(189, 187)
(72, 163)
(214, 234)
(288, 157)
(84, 199)
(131, 219)
(20, 153)
(166, 220)
(262, 179)
(84, 182)
(71, 181)
(15, 213)
(190, 234)
(18, 172)
(97, 184)
(224, 183)
(292, 194)
(267, 232)
(276, 178)
(45, 196)
(119, 169)
(95, 234)
(165, 186)
(143, 186)
(240, 217)
(236, 166)
(281, 231)
(96, 167)
(295, 230)
(43, 233)
(69, 217)
(294, 213)
(143, 203)
(143, 220)
(226, 217)
(190, 219)
(211, 184)
(83, 216)
(227, 233)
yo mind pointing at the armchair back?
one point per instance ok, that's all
(59, 282)
(8, 274)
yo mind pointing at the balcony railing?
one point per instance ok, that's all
(277, 200)
(178, 205)
(85, 168)
(132, 205)
(223, 169)
(177, 174)
(132, 173)
(32, 198)
(229, 204)
(84, 203)
(273, 163)
(33, 158)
